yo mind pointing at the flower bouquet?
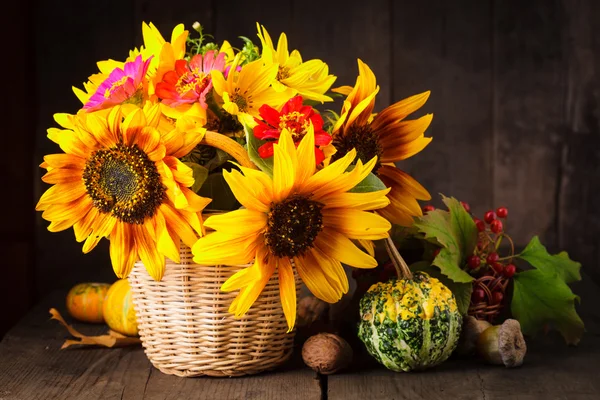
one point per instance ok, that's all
(220, 188)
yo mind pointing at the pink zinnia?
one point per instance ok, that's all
(121, 86)
(190, 81)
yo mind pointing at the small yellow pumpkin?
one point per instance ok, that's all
(85, 301)
(119, 313)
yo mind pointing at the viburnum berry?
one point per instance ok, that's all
(428, 208)
(466, 206)
(496, 226)
(478, 295)
(489, 217)
(492, 258)
(498, 267)
(510, 270)
(497, 297)
(502, 212)
(473, 261)
(479, 224)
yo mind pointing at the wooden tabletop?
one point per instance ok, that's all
(32, 366)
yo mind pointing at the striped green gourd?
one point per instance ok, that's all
(410, 324)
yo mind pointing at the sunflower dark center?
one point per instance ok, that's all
(361, 138)
(123, 181)
(283, 73)
(293, 226)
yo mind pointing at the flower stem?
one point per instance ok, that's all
(401, 268)
(229, 146)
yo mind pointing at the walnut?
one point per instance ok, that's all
(326, 353)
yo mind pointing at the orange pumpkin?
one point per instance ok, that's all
(85, 301)
(119, 313)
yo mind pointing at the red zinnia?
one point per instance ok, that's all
(294, 117)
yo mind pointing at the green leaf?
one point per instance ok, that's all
(370, 184)
(216, 188)
(536, 254)
(463, 225)
(461, 291)
(543, 297)
(200, 175)
(265, 164)
(454, 233)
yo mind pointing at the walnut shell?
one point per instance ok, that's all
(326, 353)
(310, 309)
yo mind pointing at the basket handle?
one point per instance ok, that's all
(229, 146)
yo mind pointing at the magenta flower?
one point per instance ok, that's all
(122, 86)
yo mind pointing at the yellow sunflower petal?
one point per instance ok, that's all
(315, 279)
(287, 291)
(341, 248)
(224, 248)
(122, 250)
(400, 110)
(356, 224)
(250, 293)
(358, 201)
(306, 157)
(101, 227)
(284, 170)
(164, 242)
(61, 193)
(176, 223)
(240, 222)
(242, 188)
(333, 271)
(148, 253)
(329, 174)
(78, 207)
(62, 175)
(64, 161)
(83, 227)
(244, 277)
(368, 245)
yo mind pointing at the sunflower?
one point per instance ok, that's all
(298, 218)
(122, 179)
(387, 135)
(245, 90)
(309, 79)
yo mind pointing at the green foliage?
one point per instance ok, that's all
(265, 164)
(456, 232)
(370, 184)
(536, 254)
(249, 51)
(200, 175)
(216, 188)
(197, 45)
(541, 298)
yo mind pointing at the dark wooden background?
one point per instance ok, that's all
(515, 92)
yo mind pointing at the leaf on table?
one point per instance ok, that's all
(536, 254)
(265, 164)
(456, 232)
(541, 298)
(112, 339)
(461, 291)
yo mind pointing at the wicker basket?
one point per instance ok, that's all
(186, 329)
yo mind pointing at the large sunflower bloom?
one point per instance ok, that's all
(298, 218)
(244, 91)
(310, 79)
(122, 179)
(387, 135)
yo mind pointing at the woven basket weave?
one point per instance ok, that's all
(186, 329)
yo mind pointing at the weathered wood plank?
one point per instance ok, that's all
(529, 84)
(445, 47)
(578, 219)
(32, 366)
(551, 371)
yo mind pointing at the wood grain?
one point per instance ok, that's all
(32, 366)
(529, 77)
(445, 47)
(578, 219)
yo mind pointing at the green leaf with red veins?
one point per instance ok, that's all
(542, 298)
(456, 232)
(536, 254)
